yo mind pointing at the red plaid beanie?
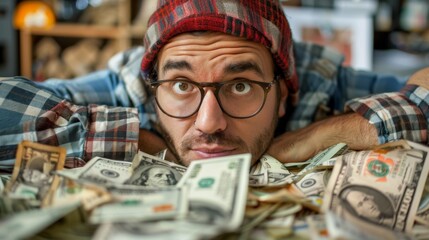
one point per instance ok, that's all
(262, 21)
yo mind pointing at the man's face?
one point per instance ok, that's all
(158, 177)
(217, 57)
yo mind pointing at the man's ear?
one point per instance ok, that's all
(283, 97)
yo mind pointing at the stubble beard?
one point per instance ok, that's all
(257, 149)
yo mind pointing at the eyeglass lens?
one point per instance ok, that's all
(237, 98)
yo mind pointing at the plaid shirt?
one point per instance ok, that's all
(103, 111)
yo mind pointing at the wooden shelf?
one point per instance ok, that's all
(122, 33)
(78, 30)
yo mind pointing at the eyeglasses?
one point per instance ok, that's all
(239, 98)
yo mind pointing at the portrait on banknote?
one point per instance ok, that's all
(367, 203)
(156, 175)
(32, 174)
(37, 171)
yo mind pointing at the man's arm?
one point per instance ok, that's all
(29, 112)
(375, 120)
(420, 78)
(302, 144)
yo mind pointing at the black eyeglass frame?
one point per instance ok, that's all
(266, 86)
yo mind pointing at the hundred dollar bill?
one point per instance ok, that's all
(218, 191)
(383, 187)
(340, 228)
(34, 167)
(136, 204)
(100, 171)
(268, 171)
(145, 170)
(151, 171)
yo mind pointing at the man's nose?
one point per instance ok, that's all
(210, 117)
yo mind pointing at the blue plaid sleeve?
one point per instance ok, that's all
(397, 115)
(31, 113)
(120, 85)
(326, 85)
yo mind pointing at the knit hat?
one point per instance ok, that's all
(261, 21)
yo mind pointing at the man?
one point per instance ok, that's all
(225, 76)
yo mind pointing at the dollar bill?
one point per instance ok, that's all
(217, 191)
(313, 183)
(152, 230)
(4, 178)
(10, 206)
(268, 171)
(33, 171)
(151, 171)
(28, 223)
(100, 171)
(325, 155)
(340, 228)
(378, 189)
(279, 222)
(423, 210)
(420, 232)
(65, 191)
(145, 170)
(321, 158)
(136, 204)
(317, 226)
(274, 228)
(284, 195)
(161, 154)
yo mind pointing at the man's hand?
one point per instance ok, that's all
(304, 143)
(420, 78)
(150, 142)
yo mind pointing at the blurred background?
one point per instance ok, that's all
(68, 38)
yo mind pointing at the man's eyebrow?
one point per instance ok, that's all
(177, 65)
(242, 67)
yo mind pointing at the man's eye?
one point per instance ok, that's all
(241, 88)
(182, 87)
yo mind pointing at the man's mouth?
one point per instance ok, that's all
(212, 151)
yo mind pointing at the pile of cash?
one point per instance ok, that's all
(381, 193)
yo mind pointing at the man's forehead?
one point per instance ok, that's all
(214, 36)
(183, 51)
